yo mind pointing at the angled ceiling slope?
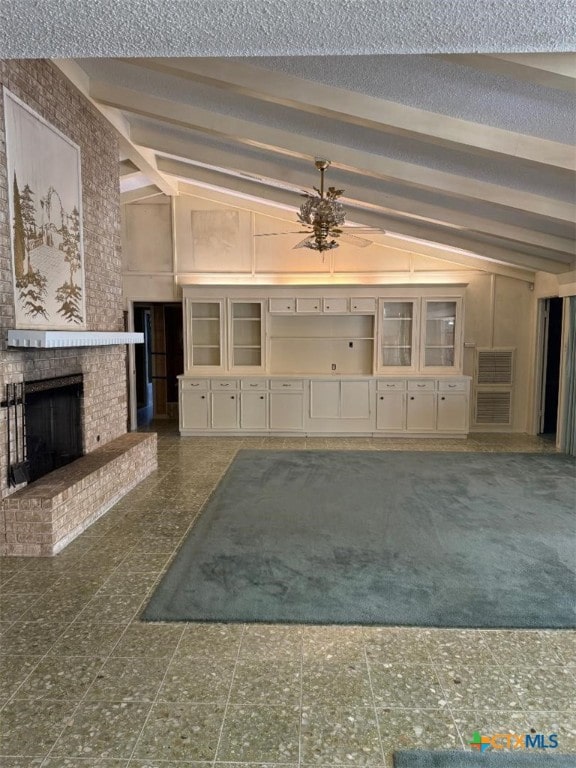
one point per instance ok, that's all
(440, 144)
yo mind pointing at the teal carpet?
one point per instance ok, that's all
(490, 759)
(392, 538)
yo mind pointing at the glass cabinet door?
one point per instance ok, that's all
(398, 323)
(441, 329)
(205, 334)
(246, 334)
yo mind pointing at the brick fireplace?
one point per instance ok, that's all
(102, 368)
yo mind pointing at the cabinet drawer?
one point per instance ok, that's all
(363, 305)
(252, 384)
(282, 305)
(223, 384)
(335, 305)
(452, 386)
(308, 305)
(386, 386)
(194, 384)
(422, 385)
(287, 384)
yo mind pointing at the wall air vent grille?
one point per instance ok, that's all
(493, 407)
(495, 366)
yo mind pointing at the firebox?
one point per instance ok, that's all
(53, 418)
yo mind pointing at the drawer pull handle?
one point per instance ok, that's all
(442, 398)
(231, 397)
(381, 397)
(203, 397)
(261, 397)
(451, 386)
(224, 385)
(412, 398)
(253, 385)
(285, 385)
(420, 386)
(194, 385)
(389, 385)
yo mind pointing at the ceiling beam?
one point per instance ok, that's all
(366, 111)
(376, 219)
(190, 148)
(552, 70)
(78, 77)
(279, 140)
(143, 193)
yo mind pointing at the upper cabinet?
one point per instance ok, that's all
(204, 333)
(246, 335)
(420, 335)
(260, 330)
(441, 335)
(397, 348)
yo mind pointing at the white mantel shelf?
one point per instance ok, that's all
(53, 339)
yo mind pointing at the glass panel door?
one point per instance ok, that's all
(246, 334)
(206, 333)
(440, 334)
(397, 334)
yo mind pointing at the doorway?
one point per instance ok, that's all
(551, 314)
(158, 361)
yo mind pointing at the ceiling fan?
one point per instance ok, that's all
(323, 216)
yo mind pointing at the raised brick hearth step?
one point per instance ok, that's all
(45, 516)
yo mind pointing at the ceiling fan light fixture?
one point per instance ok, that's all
(323, 213)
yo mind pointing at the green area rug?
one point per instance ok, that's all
(393, 538)
(493, 759)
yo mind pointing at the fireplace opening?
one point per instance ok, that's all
(53, 417)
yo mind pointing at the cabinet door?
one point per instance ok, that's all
(397, 335)
(253, 410)
(246, 334)
(335, 305)
(286, 411)
(324, 399)
(452, 413)
(205, 334)
(224, 410)
(282, 306)
(391, 411)
(193, 409)
(355, 400)
(420, 412)
(441, 335)
(308, 305)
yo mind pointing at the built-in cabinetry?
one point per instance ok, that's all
(323, 361)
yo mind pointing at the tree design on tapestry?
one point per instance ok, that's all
(45, 197)
(36, 229)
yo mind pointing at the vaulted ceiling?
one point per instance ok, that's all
(430, 140)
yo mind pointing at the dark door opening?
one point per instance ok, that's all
(551, 367)
(159, 361)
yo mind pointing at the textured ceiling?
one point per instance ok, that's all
(72, 28)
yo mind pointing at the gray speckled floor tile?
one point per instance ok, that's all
(416, 728)
(564, 642)
(76, 762)
(394, 645)
(169, 764)
(328, 643)
(60, 677)
(181, 732)
(338, 683)
(102, 729)
(266, 682)
(13, 671)
(190, 678)
(221, 640)
(478, 688)
(87, 638)
(274, 642)
(25, 733)
(29, 581)
(404, 685)
(140, 562)
(148, 639)
(488, 722)
(112, 609)
(543, 688)
(122, 679)
(21, 762)
(260, 734)
(13, 606)
(30, 638)
(128, 584)
(452, 646)
(517, 648)
(332, 736)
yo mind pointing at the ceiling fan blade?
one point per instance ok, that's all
(276, 234)
(359, 242)
(303, 243)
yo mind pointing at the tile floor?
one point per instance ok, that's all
(85, 684)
